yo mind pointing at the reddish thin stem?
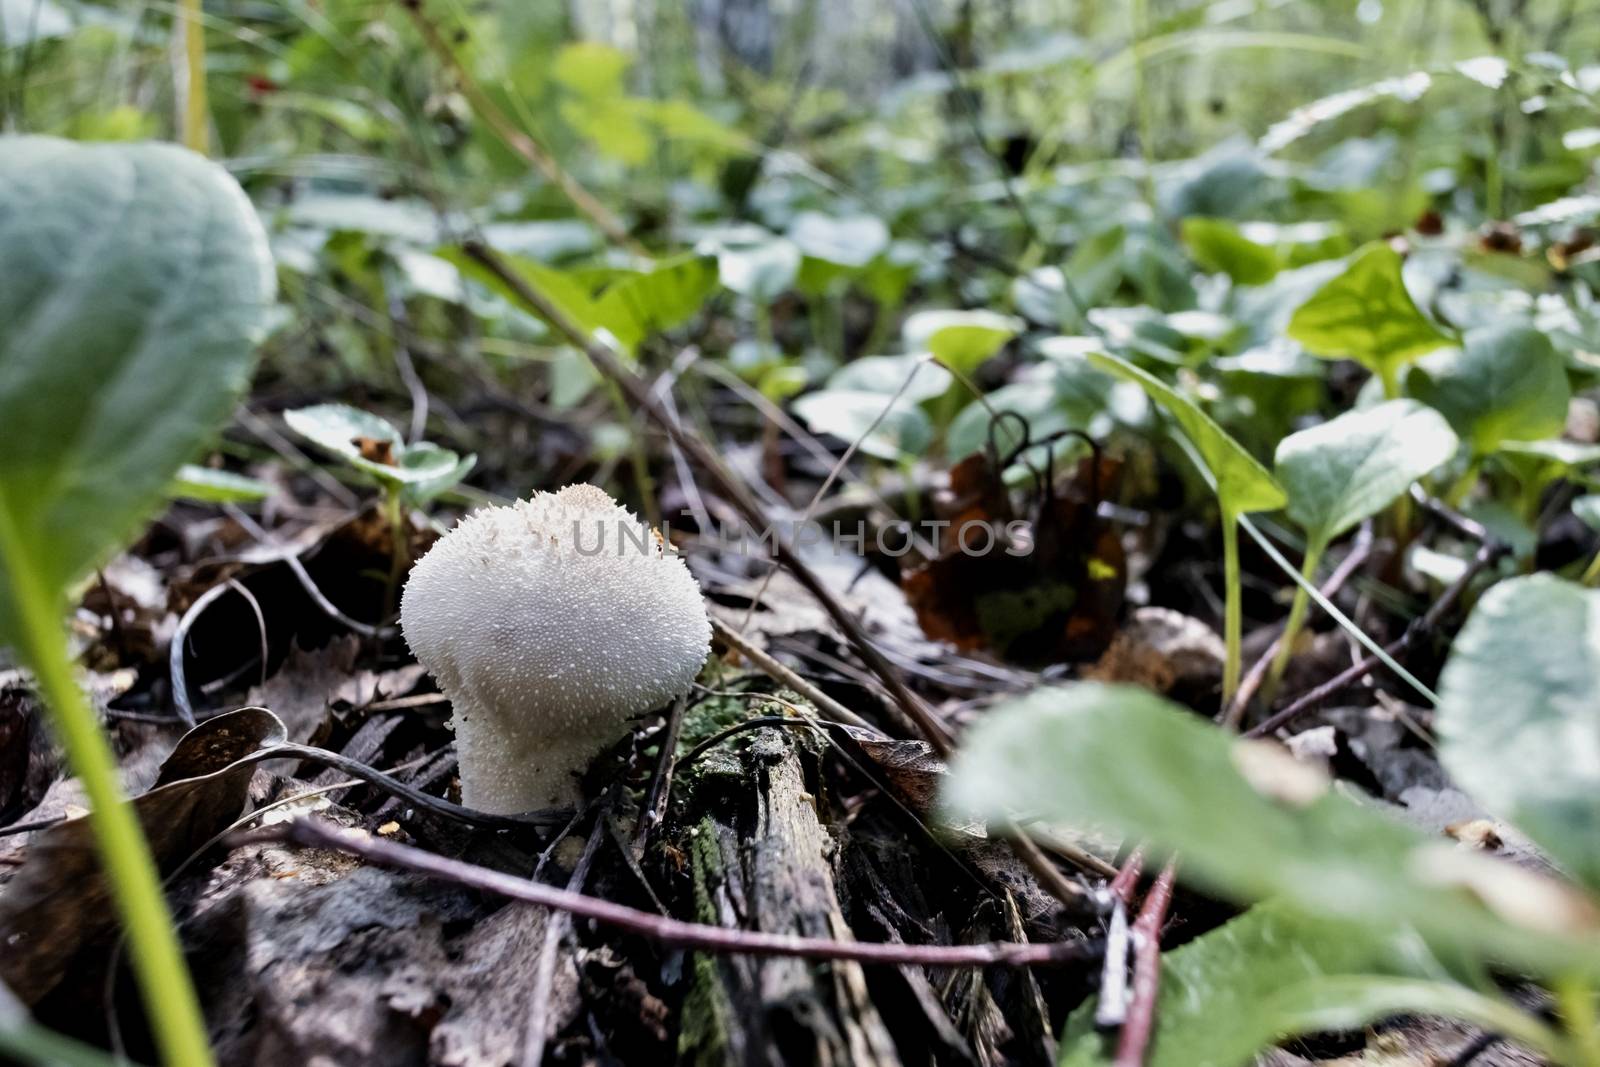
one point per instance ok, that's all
(1135, 1038)
(314, 833)
(1128, 877)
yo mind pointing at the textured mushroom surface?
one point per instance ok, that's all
(549, 624)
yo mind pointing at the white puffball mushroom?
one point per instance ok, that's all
(548, 624)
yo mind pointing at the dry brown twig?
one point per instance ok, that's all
(314, 833)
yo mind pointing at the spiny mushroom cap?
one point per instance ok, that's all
(557, 617)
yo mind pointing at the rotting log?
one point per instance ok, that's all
(761, 859)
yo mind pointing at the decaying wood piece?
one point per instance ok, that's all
(318, 959)
(761, 859)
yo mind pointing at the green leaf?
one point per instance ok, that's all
(760, 266)
(887, 375)
(1243, 484)
(1366, 314)
(1351, 467)
(962, 339)
(135, 284)
(1587, 508)
(1518, 719)
(210, 486)
(1224, 996)
(338, 428)
(1218, 246)
(1254, 824)
(847, 241)
(591, 69)
(633, 307)
(1507, 384)
(850, 414)
(640, 305)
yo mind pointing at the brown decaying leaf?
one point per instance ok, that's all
(1058, 602)
(374, 450)
(58, 903)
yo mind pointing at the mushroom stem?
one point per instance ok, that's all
(507, 769)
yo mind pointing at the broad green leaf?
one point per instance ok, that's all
(760, 266)
(340, 429)
(1218, 246)
(1508, 383)
(639, 305)
(921, 379)
(211, 486)
(1253, 824)
(561, 289)
(850, 415)
(630, 309)
(962, 339)
(613, 123)
(135, 284)
(1222, 996)
(590, 68)
(1351, 467)
(1243, 484)
(1366, 314)
(847, 241)
(1519, 714)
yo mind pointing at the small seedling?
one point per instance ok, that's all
(409, 475)
(1241, 483)
(1346, 470)
(549, 624)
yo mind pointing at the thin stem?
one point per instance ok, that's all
(196, 109)
(1297, 617)
(1143, 120)
(1140, 1024)
(1390, 377)
(1464, 485)
(130, 869)
(705, 937)
(1233, 612)
(515, 138)
(637, 459)
(394, 507)
(1591, 574)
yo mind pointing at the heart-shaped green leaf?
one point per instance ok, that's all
(1508, 383)
(1252, 823)
(961, 339)
(1366, 314)
(135, 284)
(1519, 714)
(1243, 484)
(1351, 467)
